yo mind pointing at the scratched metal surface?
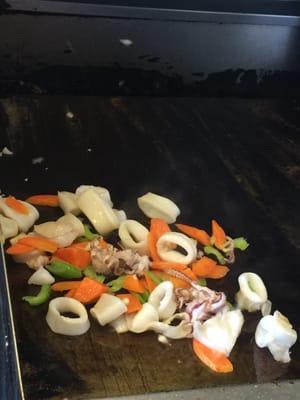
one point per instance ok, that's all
(232, 159)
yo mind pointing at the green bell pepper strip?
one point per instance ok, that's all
(211, 250)
(40, 298)
(88, 234)
(240, 243)
(63, 269)
(202, 282)
(153, 277)
(139, 297)
(116, 284)
(90, 273)
(145, 296)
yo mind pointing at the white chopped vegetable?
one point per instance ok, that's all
(98, 211)
(108, 308)
(221, 331)
(134, 236)
(276, 333)
(120, 324)
(9, 227)
(24, 221)
(120, 214)
(58, 323)
(162, 298)
(6, 152)
(63, 231)
(155, 206)
(166, 250)
(41, 277)
(144, 318)
(102, 192)
(68, 202)
(180, 331)
(252, 294)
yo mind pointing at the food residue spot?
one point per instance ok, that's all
(26, 179)
(70, 115)
(89, 149)
(37, 160)
(6, 152)
(126, 42)
(162, 339)
(46, 169)
(179, 362)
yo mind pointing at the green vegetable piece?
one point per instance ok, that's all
(154, 277)
(89, 235)
(145, 296)
(90, 273)
(63, 269)
(139, 297)
(240, 243)
(202, 282)
(40, 298)
(211, 250)
(116, 284)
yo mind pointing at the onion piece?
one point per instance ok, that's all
(68, 202)
(252, 294)
(107, 309)
(276, 333)
(41, 277)
(9, 227)
(65, 325)
(120, 214)
(102, 192)
(156, 206)
(98, 211)
(134, 236)
(166, 250)
(24, 222)
(163, 299)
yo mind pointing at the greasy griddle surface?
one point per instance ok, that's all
(233, 160)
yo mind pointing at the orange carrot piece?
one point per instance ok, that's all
(203, 267)
(150, 284)
(218, 272)
(189, 273)
(200, 235)
(19, 249)
(218, 234)
(39, 243)
(213, 359)
(71, 292)
(144, 284)
(50, 200)
(132, 284)
(162, 265)
(65, 285)
(80, 245)
(73, 255)
(16, 205)
(132, 303)
(89, 291)
(157, 228)
(177, 282)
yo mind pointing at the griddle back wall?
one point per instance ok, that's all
(64, 54)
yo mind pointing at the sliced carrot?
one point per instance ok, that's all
(80, 245)
(157, 228)
(144, 283)
(162, 265)
(50, 200)
(39, 243)
(132, 303)
(19, 249)
(189, 273)
(150, 284)
(132, 284)
(218, 272)
(203, 267)
(65, 285)
(218, 234)
(89, 291)
(200, 235)
(71, 292)
(213, 359)
(177, 282)
(16, 205)
(73, 255)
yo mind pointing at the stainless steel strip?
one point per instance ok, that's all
(11, 387)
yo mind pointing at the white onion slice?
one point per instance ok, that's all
(65, 325)
(252, 294)
(166, 250)
(102, 192)
(24, 221)
(108, 308)
(134, 236)
(156, 206)
(98, 211)
(68, 202)
(41, 277)
(9, 227)
(162, 298)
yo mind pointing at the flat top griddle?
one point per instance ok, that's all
(234, 160)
